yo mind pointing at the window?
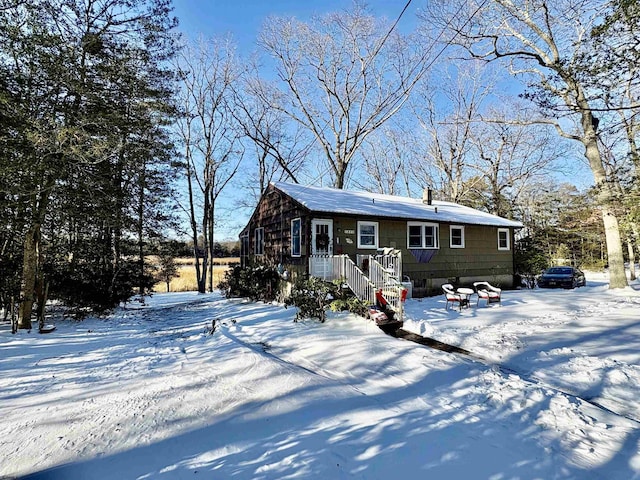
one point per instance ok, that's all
(367, 234)
(456, 236)
(422, 235)
(295, 237)
(259, 241)
(415, 236)
(244, 249)
(503, 239)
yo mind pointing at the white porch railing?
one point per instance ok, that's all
(391, 261)
(358, 282)
(384, 273)
(384, 278)
(334, 267)
(326, 267)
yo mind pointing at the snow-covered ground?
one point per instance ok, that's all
(148, 393)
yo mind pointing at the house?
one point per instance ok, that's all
(302, 228)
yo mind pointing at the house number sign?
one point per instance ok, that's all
(349, 232)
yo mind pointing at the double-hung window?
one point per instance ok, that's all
(259, 241)
(296, 237)
(456, 236)
(422, 235)
(504, 239)
(368, 235)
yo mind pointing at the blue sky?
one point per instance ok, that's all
(243, 18)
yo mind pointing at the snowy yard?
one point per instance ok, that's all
(147, 393)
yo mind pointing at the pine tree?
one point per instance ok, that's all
(89, 89)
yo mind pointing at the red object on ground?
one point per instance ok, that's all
(380, 299)
(377, 315)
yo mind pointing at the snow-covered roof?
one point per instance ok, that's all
(332, 200)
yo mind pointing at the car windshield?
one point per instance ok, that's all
(560, 270)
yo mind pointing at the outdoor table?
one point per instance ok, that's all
(466, 293)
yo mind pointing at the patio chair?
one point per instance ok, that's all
(453, 297)
(488, 292)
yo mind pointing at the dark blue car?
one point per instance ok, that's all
(561, 277)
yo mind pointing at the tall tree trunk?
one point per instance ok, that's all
(202, 281)
(32, 256)
(43, 295)
(29, 275)
(210, 245)
(192, 212)
(632, 258)
(118, 182)
(142, 180)
(14, 320)
(615, 258)
(340, 177)
(606, 195)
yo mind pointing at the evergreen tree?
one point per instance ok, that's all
(89, 96)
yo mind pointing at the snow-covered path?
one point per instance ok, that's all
(148, 393)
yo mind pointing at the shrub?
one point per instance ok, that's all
(95, 286)
(312, 297)
(352, 304)
(255, 283)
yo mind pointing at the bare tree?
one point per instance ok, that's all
(386, 156)
(448, 108)
(542, 42)
(210, 135)
(281, 145)
(343, 76)
(509, 155)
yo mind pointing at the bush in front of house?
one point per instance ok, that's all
(258, 283)
(312, 297)
(352, 304)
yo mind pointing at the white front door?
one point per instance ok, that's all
(321, 248)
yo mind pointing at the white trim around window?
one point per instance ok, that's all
(423, 235)
(504, 239)
(296, 237)
(456, 236)
(368, 235)
(258, 247)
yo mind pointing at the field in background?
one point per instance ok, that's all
(186, 281)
